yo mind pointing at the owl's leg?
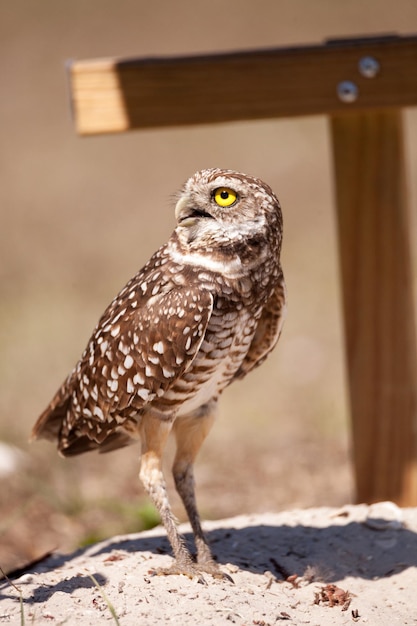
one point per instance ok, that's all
(154, 432)
(190, 432)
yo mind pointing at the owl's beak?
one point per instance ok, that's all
(186, 214)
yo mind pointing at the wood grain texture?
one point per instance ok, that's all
(378, 303)
(116, 95)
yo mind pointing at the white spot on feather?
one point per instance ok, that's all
(138, 379)
(97, 411)
(118, 316)
(124, 349)
(158, 347)
(113, 384)
(115, 331)
(128, 362)
(148, 371)
(144, 394)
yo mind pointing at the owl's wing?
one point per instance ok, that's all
(130, 360)
(268, 330)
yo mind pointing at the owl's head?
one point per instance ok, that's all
(219, 207)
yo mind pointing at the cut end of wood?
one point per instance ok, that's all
(97, 101)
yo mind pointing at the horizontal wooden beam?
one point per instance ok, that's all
(116, 95)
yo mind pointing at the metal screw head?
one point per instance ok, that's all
(368, 67)
(347, 91)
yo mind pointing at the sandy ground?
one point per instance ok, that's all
(316, 566)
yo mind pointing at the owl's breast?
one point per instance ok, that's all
(226, 343)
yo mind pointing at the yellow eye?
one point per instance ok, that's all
(224, 196)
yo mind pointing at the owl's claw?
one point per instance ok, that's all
(208, 565)
(214, 570)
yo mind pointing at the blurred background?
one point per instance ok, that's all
(79, 216)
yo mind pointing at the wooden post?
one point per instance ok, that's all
(374, 245)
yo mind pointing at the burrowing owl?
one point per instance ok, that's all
(206, 309)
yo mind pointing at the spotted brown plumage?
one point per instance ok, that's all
(205, 310)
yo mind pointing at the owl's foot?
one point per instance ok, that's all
(192, 570)
(188, 569)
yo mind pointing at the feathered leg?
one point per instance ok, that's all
(190, 433)
(154, 433)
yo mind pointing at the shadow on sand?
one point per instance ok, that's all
(329, 553)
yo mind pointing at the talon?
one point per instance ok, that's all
(152, 572)
(222, 576)
(202, 580)
(227, 577)
(212, 568)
